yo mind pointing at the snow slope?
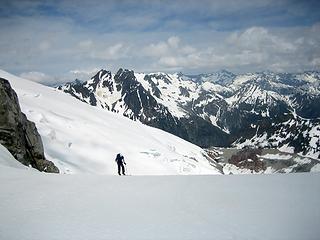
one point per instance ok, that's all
(36, 206)
(7, 160)
(79, 138)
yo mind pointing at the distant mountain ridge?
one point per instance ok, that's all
(218, 109)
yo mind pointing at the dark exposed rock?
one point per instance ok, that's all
(75, 88)
(248, 159)
(308, 106)
(184, 91)
(202, 133)
(155, 90)
(18, 134)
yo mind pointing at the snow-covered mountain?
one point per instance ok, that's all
(80, 138)
(219, 109)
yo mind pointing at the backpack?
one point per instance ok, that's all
(119, 158)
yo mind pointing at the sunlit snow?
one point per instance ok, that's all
(80, 138)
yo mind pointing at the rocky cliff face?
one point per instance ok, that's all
(18, 134)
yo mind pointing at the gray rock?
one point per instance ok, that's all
(18, 134)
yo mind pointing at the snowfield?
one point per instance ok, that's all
(80, 138)
(37, 206)
(7, 160)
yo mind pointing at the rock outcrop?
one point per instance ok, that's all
(18, 134)
(248, 159)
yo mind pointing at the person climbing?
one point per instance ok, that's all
(120, 161)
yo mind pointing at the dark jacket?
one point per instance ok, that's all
(120, 159)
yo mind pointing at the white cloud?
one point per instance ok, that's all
(44, 45)
(174, 41)
(170, 62)
(82, 74)
(38, 77)
(168, 52)
(30, 46)
(113, 52)
(85, 44)
(188, 50)
(259, 39)
(84, 71)
(316, 62)
(156, 49)
(253, 49)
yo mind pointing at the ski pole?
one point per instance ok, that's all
(125, 167)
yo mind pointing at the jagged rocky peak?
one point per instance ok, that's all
(125, 80)
(102, 75)
(123, 75)
(160, 76)
(278, 79)
(180, 74)
(222, 77)
(74, 83)
(18, 134)
(101, 79)
(312, 75)
(154, 85)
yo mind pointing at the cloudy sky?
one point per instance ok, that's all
(54, 41)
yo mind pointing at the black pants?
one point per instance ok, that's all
(121, 167)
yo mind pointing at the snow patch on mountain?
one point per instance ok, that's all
(7, 160)
(276, 156)
(80, 138)
(174, 92)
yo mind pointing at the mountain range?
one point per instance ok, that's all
(265, 109)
